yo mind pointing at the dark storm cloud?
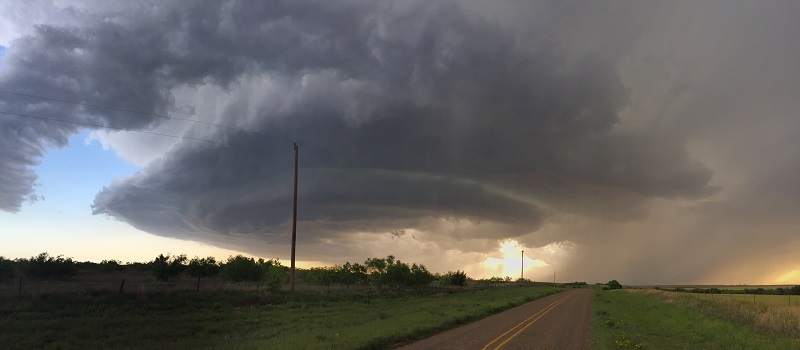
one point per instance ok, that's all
(97, 64)
(403, 112)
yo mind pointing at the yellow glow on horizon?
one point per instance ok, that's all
(790, 277)
(510, 263)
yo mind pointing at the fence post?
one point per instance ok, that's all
(122, 286)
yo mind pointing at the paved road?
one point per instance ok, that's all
(559, 321)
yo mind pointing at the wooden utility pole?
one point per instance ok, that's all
(522, 264)
(294, 219)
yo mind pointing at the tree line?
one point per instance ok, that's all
(775, 291)
(381, 273)
(388, 272)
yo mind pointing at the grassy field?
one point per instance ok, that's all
(137, 282)
(788, 300)
(721, 286)
(657, 320)
(244, 319)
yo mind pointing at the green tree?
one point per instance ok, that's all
(376, 270)
(420, 276)
(398, 273)
(46, 266)
(457, 278)
(613, 284)
(110, 265)
(273, 274)
(6, 268)
(353, 274)
(202, 267)
(240, 268)
(168, 266)
(324, 276)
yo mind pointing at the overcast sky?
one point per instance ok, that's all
(644, 142)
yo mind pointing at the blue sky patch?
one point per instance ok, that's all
(76, 173)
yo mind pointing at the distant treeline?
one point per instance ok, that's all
(776, 291)
(375, 272)
(380, 273)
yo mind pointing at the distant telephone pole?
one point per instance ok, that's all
(294, 219)
(522, 264)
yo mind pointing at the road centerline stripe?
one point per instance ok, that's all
(532, 322)
(543, 310)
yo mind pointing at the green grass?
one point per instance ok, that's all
(244, 320)
(625, 319)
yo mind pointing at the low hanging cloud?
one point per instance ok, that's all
(401, 115)
(426, 118)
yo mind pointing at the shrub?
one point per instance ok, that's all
(353, 274)
(6, 268)
(324, 276)
(274, 274)
(240, 268)
(613, 284)
(110, 265)
(139, 266)
(495, 280)
(398, 273)
(577, 284)
(457, 278)
(444, 280)
(46, 266)
(166, 266)
(420, 276)
(202, 267)
(376, 270)
(391, 271)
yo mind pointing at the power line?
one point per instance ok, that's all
(112, 127)
(142, 113)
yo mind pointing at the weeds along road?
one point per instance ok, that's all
(559, 321)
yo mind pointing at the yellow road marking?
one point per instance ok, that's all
(523, 322)
(540, 313)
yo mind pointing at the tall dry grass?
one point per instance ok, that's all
(776, 319)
